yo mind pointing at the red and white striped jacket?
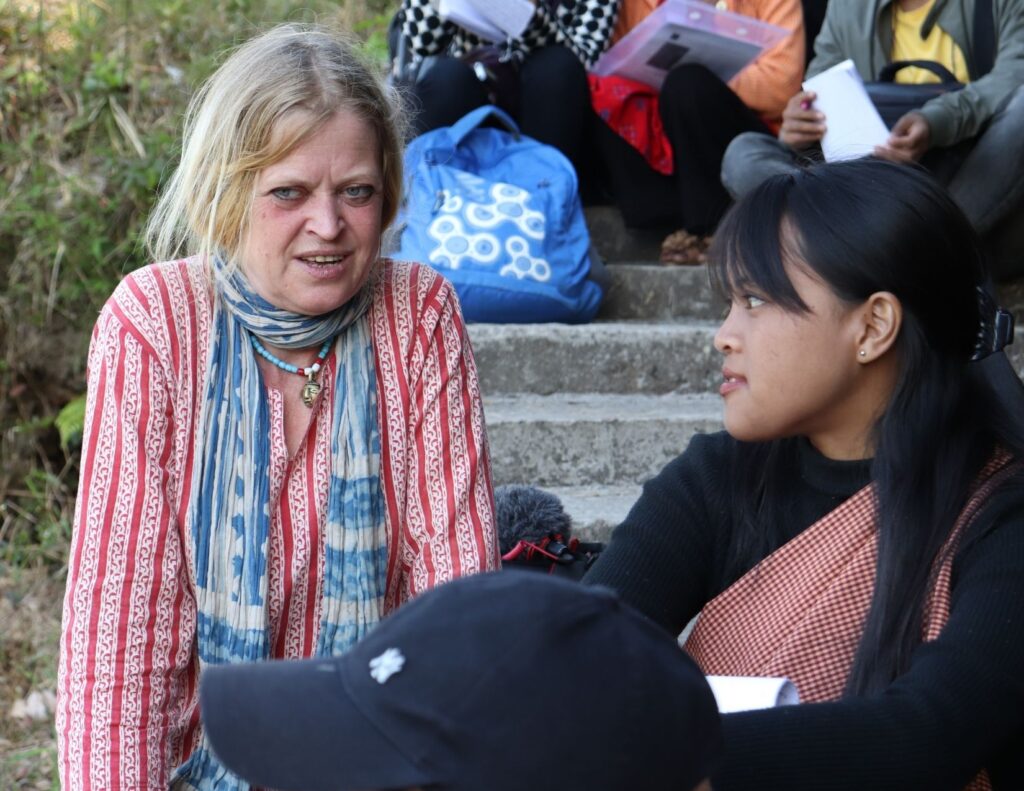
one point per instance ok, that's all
(127, 711)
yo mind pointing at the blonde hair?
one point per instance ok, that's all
(229, 134)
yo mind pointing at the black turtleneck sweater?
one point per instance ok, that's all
(959, 706)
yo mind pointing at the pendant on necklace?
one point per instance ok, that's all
(310, 390)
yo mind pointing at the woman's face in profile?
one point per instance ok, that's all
(315, 223)
(787, 373)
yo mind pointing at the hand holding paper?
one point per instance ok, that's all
(802, 124)
(854, 127)
(909, 139)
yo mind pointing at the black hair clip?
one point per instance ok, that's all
(996, 328)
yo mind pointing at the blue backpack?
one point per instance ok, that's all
(499, 215)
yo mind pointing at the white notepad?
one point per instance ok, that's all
(853, 125)
(688, 31)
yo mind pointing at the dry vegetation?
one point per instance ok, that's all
(91, 97)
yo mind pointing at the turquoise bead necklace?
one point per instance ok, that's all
(312, 387)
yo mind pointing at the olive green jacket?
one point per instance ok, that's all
(954, 116)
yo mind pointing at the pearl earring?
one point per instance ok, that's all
(862, 353)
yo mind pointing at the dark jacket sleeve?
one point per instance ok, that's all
(828, 46)
(960, 115)
(661, 559)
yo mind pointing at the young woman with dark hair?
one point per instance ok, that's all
(859, 527)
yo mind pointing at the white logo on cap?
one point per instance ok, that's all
(386, 665)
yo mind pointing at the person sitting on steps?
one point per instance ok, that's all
(697, 114)
(859, 526)
(284, 436)
(541, 81)
(971, 140)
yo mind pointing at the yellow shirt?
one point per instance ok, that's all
(940, 47)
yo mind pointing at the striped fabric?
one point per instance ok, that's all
(799, 612)
(127, 712)
(228, 525)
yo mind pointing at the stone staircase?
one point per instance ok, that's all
(590, 412)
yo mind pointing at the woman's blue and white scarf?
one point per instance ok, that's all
(229, 513)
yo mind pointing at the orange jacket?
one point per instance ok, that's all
(767, 83)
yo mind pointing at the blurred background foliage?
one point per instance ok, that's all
(92, 94)
(91, 100)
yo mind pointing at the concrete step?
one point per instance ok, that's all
(659, 293)
(615, 242)
(647, 290)
(596, 510)
(613, 357)
(578, 439)
(603, 357)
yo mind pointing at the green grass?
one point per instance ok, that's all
(32, 766)
(91, 99)
(30, 604)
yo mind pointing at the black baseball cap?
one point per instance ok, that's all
(509, 680)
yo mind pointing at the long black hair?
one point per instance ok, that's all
(864, 227)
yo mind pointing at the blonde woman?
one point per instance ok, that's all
(284, 437)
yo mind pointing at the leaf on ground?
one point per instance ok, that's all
(70, 421)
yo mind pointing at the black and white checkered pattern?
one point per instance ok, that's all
(583, 26)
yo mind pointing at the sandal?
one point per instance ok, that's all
(683, 248)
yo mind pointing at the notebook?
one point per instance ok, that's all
(688, 31)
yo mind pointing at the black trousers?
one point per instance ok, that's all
(553, 104)
(701, 115)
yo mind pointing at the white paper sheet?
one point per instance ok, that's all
(512, 16)
(853, 125)
(465, 14)
(744, 693)
(492, 20)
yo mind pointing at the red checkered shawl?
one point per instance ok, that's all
(799, 612)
